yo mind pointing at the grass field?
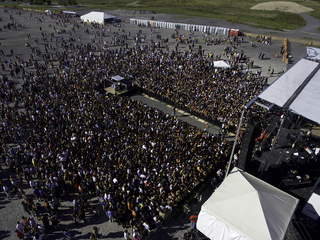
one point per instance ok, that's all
(231, 10)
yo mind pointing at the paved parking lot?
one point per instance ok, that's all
(30, 29)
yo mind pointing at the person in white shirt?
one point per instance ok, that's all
(32, 184)
(20, 226)
(126, 235)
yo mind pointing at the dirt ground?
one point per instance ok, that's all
(282, 6)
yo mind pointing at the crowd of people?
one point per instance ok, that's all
(27, 228)
(190, 81)
(73, 138)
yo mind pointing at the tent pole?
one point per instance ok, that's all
(272, 146)
(316, 185)
(235, 143)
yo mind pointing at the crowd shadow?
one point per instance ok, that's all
(65, 221)
(74, 234)
(256, 66)
(4, 234)
(3, 199)
(114, 235)
(85, 236)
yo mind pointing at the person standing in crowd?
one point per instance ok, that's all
(126, 235)
(186, 209)
(6, 191)
(19, 234)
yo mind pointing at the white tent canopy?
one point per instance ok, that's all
(117, 78)
(221, 64)
(297, 90)
(312, 207)
(246, 208)
(98, 17)
(70, 12)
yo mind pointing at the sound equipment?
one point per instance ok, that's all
(248, 142)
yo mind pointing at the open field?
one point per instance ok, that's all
(234, 11)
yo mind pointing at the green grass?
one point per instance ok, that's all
(307, 45)
(307, 38)
(237, 11)
(315, 5)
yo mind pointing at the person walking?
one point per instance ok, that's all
(6, 191)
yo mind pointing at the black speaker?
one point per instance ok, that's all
(248, 142)
(286, 124)
(258, 153)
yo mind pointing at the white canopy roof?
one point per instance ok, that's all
(244, 208)
(312, 207)
(117, 78)
(70, 12)
(98, 17)
(298, 90)
(221, 64)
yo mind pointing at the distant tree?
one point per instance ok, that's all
(67, 2)
(63, 2)
(39, 2)
(72, 2)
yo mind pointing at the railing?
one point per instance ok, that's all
(182, 107)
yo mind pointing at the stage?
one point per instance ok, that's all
(292, 165)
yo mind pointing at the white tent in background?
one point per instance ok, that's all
(221, 64)
(98, 17)
(69, 12)
(246, 208)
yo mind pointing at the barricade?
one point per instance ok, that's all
(182, 26)
(184, 108)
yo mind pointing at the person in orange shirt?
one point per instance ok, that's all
(193, 221)
(25, 222)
